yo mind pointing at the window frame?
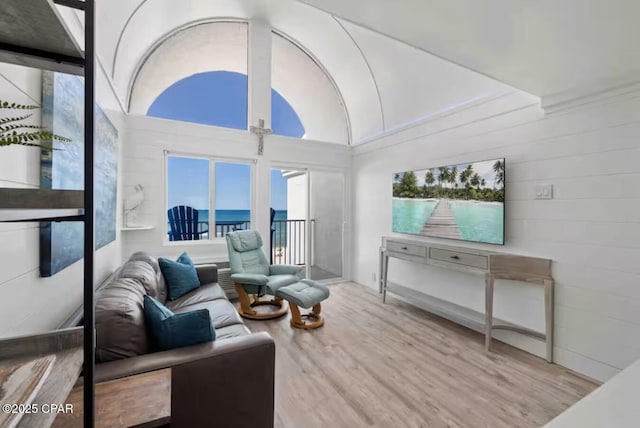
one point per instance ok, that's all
(251, 162)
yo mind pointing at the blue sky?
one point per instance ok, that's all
(219, 98)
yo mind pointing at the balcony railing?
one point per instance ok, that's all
(222, 227)
(287, 237)
(288, 242)
(225, 226)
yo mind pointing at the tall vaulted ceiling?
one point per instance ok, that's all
(544, 47)
(395, 62)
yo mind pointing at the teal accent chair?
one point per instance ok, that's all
(253, 275)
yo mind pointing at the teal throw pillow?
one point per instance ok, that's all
(181, 275)
(169, 330)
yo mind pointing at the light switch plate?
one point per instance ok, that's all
(544, 191)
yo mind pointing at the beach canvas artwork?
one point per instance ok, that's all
(463, 201)
(61, 243)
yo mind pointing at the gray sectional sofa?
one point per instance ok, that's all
(228, 382)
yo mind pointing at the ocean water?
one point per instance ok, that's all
(409, 215)
(480, 222)
(245, 215)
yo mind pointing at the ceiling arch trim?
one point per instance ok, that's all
(120, 35)
(373, 76)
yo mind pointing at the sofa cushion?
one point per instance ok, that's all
(120, 321)
(160, 291)
(204, 293)
(171, 330)
(142, 272)
(223, 313)
(181, 276)
(234, 330)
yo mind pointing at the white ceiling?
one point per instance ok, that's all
(384, 82)
(543, 47)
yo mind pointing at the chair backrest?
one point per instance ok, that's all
(245, 252)
(183, 221)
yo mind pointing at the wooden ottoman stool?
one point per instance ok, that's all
(306, 294)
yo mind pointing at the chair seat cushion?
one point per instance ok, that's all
(181, 276)
(170, 330)
(278, 281)
(304, 293)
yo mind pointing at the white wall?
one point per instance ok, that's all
(591, 229)
(147, 138)
(29, 303)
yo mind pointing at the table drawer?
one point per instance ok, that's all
(401, 247)
(460, 258)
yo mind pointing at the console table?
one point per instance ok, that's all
(491, 265)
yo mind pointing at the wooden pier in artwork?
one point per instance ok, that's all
(442, 222)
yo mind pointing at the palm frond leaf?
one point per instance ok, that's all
(6, 120)
(16, 106)
(14, 131)
(12, 127)
(31, 139)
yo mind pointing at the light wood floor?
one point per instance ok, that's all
(393, 365)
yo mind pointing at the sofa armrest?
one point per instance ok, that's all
(167, 359)
(207, 273)
(250, 278)
(284, 269)
(228, 382)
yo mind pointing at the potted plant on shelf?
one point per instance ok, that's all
(15, 131)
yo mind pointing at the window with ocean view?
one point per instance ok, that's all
(191, 215)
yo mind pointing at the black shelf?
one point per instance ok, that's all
(33, 34)
(12, 215)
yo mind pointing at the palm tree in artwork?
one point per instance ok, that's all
(465, 175)
(475, 181)
(498, 168)
(453, 175)
(443, 175)
(429, 178)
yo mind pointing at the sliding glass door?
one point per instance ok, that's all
(326, 214)
(307, 227)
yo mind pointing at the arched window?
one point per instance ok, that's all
(199, 74)
(216, 98)
(219, 98)
(206, 56)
